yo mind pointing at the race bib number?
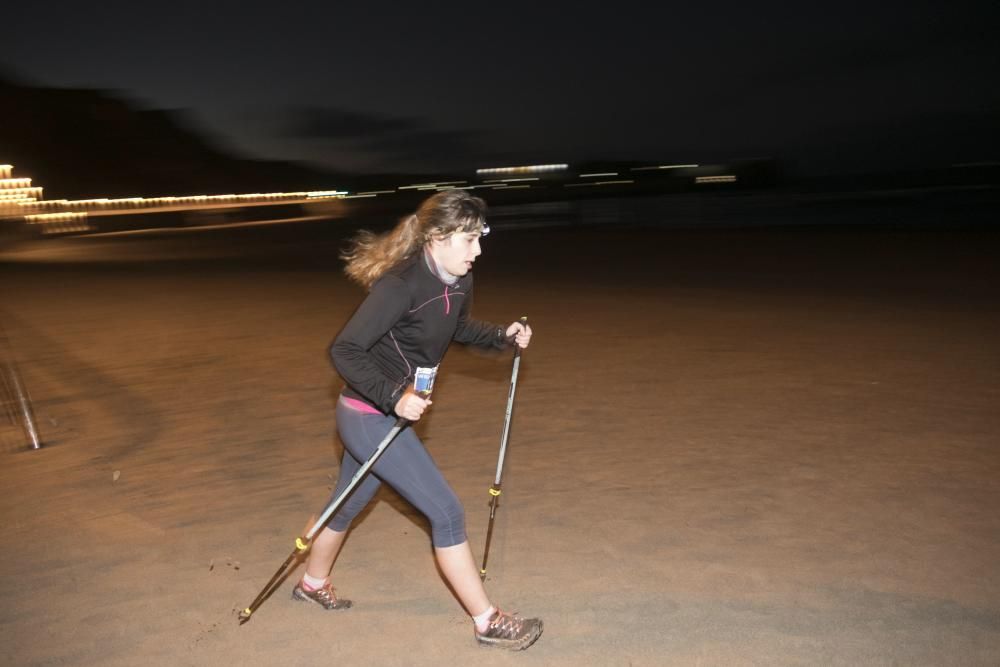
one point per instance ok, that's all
(423, 381)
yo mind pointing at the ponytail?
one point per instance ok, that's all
(371, 255)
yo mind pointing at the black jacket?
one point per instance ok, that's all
(407, 320)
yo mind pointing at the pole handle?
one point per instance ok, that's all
(517, 348)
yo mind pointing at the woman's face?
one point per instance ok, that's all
(456, 253)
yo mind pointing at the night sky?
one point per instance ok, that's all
(444, 85)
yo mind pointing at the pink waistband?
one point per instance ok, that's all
(360, 406)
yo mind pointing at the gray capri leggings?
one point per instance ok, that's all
(405, 465)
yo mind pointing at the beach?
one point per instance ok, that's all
(767, 446)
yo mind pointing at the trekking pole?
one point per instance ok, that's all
(495, 489)
(18, 393)
(24, 404)
(302, 543)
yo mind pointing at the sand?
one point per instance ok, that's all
(758, 447)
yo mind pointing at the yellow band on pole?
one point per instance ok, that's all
(247, 612)
(300, 544)
(494, 492)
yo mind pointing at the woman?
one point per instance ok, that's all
(420, 281)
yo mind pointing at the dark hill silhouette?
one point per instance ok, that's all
(80, 143)
(90, 143)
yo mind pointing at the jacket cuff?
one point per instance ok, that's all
(499, 339)
(389, 406)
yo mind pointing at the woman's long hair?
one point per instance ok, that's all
(370, 255)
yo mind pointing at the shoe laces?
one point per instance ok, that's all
(506, 625)
(327, 592)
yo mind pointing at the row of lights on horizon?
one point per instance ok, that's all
(516, 176)
(17, 195)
